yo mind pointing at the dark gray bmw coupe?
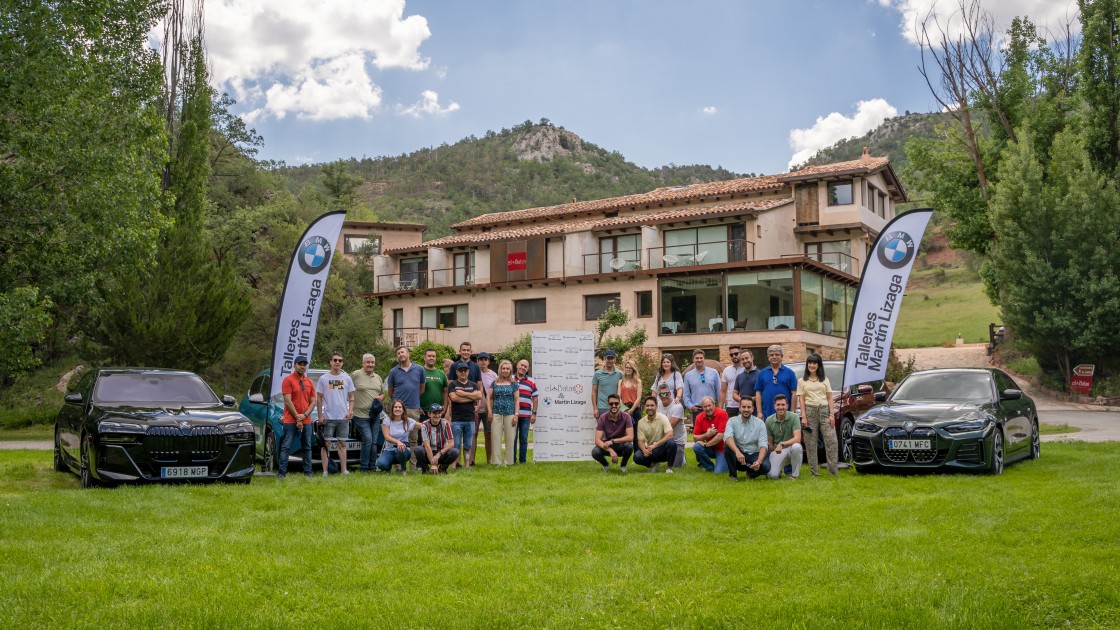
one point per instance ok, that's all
(142, 425)
(952, 419)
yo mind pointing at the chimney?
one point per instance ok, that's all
(573, 199)
(866, 156)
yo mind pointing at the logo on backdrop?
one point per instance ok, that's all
(896, 250)
(314, 254)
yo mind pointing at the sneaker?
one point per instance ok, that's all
(668, 471)
(325, 473)
(654, 468)
(606, 468)
(622, 469)
(281, 476)
(346, 472)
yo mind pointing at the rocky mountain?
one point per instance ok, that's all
(887, 139)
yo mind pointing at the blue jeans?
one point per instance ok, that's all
(393, 455)
(704, 457)
(463, 433)
(369, 446)
(290, 433)
(523, 425)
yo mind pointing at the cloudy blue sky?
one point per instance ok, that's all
(747, 85)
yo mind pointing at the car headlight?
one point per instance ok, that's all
(867, 427)
(968, 426)
(116, 431)
(239, 431)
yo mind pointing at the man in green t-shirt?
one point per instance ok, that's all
(783, 433)
(435, 393)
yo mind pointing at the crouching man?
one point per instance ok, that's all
(438, 445)
(655, 439)
(614, 435)
(783, 430)
(745, 443)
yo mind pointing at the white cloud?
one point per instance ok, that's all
(709, 110)
(428, 105)
(281, 57)
(1044, 13)
(830, 129)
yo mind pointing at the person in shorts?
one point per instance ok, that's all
(335, 403)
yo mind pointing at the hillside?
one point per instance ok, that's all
(527, 166)
(887, 139)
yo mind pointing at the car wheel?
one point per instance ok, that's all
(59, 462)
(996, 465)
(84, 473)
(1036, 441)
(270, 463)
(846, 440)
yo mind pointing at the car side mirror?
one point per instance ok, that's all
(228, 400)
(864, 389)
(73, 399)
(257, 398)
(1011, 394)
(880, 396)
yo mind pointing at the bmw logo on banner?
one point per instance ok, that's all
(314, 254)
(896, 249)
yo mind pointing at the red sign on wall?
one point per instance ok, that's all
(1082, 381)
(516, 261)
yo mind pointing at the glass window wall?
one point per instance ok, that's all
(760, 300)
(692, 304)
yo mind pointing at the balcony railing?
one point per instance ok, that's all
(412, 337)
(453, 277)
(612, 262)
(837, 260)
(711, 253)
(408, 281)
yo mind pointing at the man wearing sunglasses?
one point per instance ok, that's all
(674, 411)
(773, 380)
(702, 381)
(614, 434)
(299, 396)
(727, 380)
(335, 403)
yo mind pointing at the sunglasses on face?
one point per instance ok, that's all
(734, 354)
(613, 404)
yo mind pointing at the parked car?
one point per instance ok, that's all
(267, 419)
(963, 419)
(847, 405)
(145, 425)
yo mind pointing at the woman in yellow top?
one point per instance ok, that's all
(816, 413)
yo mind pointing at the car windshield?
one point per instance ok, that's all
(945, 386)
(153, 388)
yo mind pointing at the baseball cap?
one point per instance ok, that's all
(436, 408)
(300, 359)
(484, 355)
(609, 354)
(460, 365)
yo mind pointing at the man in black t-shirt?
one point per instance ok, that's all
(744, 383)
(463, 393)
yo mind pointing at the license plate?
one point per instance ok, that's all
(184, 472)
(351, 445)
(908, 445)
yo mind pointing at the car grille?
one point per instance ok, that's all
(901, 456)
(169, 444)
(971, 452)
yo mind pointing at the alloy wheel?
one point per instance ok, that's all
(997, 453)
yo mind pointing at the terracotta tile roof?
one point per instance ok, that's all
(866, 164)
(645, 217)
(668, 194)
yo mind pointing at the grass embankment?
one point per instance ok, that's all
(32, 399)
(565, 545)
(941, 303)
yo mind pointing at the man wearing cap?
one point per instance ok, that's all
(483, 418)
(368, 389)
(674, 411)
(463, 394)
(526, 408)
(336, 397)
(655, 439)
(438, 446)
(614, 435)
(773, 380)
(745, 443)
(699, 382)
(405, 383)
(605, 382)
(299, 396)
(708, 429)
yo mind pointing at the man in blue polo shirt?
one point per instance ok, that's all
(773, 380)
(406, 382)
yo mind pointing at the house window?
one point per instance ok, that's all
(701, 246)
(840, 193)
(644, 299)
(824, 305)
(361, 244)
(529, 311)
(619, 253)
(596, 305)
(444, 316)
(761, 300)
(835, 254)
(464, 269)
(693, 304)
(414, 273)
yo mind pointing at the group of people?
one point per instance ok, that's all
(427, 417)
(422, 416)
(733, 438)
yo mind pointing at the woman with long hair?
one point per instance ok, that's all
(395, 429)
(669, 374)
(630, 389)
(501, 407)
(815, 393)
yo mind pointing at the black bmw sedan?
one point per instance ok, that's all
(146, 425)
(952, 419)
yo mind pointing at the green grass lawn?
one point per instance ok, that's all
(565, 545)
(24, 434)
(939, 305)
(1056, 429)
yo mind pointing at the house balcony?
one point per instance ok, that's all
(408, 281)
(453, 277)
(691, 255)
(612, 262)
(837, 260)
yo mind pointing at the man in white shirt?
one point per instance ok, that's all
(335, 403)
(727, 381)
(674, 411)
